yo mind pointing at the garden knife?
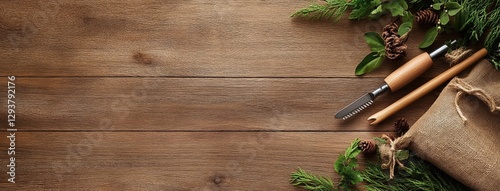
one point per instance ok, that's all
(394, 81)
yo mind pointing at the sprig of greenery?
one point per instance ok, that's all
(480, 19)
(376, 57)
(335, 9)
(310, 181)
(394, 7)
(332, 9)
(377, 45)
(492, 44)
(447, 9)
(418, 175)
(360, 9)
(492, 41)
(345, 166)
(475, 17)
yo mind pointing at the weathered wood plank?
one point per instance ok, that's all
(181, 38)
(172, 104)
(183, 95)
(170, 160)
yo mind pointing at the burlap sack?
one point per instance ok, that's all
(460, 133)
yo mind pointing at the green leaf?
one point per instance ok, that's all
(453, 8)
(353, 150)
(339, 164)
(402, 154)
(353, 176)
(444, 18)
(357, 177)
(408, 17)
(380, 140)
(452, 5)
(374, 41)
(437, 6)
(376, 12)
(369, 63)
(395, 8)
(354, 153)
(346, 164)
(364, 9)
(429, 37)
(403, 4)
(453, 12)
(404, 28)
(353, 162)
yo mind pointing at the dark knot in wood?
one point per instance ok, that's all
(218, 179)
(142, 58)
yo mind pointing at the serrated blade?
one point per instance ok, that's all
(356, 106)
(361, 103)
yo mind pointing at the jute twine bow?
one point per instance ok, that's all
(388, 152)
(465, 88)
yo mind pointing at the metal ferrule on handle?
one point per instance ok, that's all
(380, 90)
(441, 50)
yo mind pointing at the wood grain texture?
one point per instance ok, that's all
(182, 38)
(201, 104)
(408, 72)
(184, 94)
(172, 160)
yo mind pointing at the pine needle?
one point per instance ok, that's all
(310, 181)
(480, 20)
(332, 9)
(418, 175)
(492, 41)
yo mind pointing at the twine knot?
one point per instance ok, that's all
(464, 88)
(458, 55)
(388, 152)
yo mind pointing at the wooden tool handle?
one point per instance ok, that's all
(426, 88)
(408, 72)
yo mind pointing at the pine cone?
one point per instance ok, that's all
(394, 46)
(389, 30)
(367, 147)
(401, 126)
(427, 16)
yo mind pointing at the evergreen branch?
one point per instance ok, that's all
(477, 18)
(332, 8)
(418, 175)
(482, 18)
(310, 181)
(362, 8)
(345, 166)
(492, 41)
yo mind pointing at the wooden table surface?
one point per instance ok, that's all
(184, 95)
